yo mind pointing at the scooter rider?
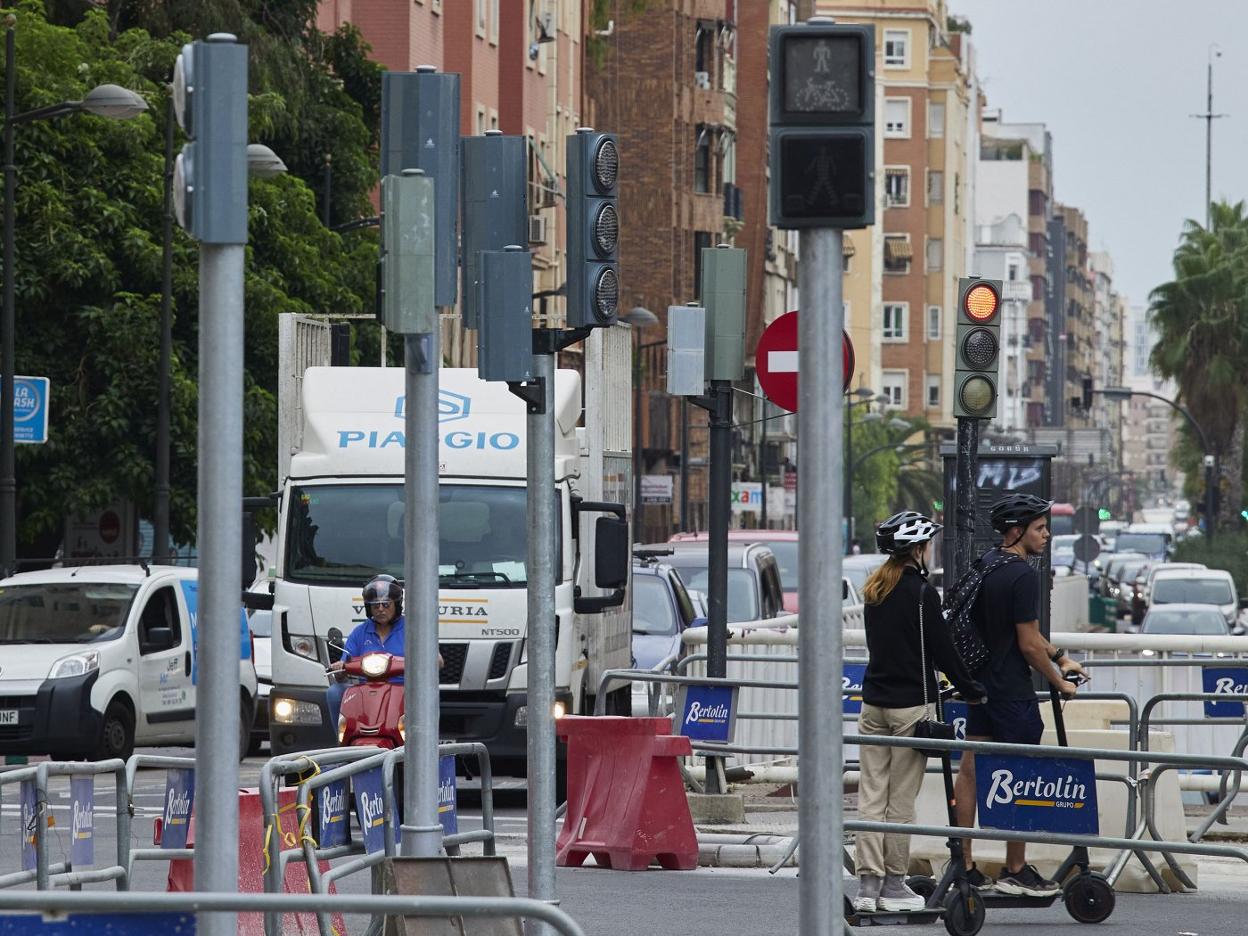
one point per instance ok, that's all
(383, 631)
(1007, 614)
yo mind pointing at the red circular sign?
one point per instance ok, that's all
(775, 361)
(110, 526)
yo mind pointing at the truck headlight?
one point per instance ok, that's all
(296, 712)
(79, 664)
(375, 664)
(304, 646)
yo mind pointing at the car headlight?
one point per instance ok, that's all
(402, 727)
(295, 711)
(304, 646)
(77, 665)
(375, 664)
(560, 710)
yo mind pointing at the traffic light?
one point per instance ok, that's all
(496, 216)
(978, 350)
(1087, 394)
(593, 229)
(822, 147)
(210, 174)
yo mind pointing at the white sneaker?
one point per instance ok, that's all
(896, 897)
(868, 891)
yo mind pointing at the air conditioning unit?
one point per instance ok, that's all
(537, 229)
(702, 80)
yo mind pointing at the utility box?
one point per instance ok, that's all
(723, 295)
(408, 244)
(495, 199)
(1022, 468)
(505, 331)
(686, 350)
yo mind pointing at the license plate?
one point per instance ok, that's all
(8, 716)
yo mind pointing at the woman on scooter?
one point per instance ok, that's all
(899, 605)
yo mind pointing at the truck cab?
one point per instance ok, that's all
(97, 659)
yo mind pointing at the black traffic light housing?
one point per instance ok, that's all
(593, 229)
(1087, 394)
(822, 107)
(978, 349)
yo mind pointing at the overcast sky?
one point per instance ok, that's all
(1115, 80)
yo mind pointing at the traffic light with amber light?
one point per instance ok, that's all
(978, 352)
(593, 228)
(822, 145)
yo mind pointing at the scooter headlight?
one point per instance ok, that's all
(342, 728)
(403, 727)
(375, 664)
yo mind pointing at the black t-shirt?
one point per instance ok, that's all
(1010, 596)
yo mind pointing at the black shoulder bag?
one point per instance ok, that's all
(935, 729)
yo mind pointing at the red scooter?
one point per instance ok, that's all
(372, 710)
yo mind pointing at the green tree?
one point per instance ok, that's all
(1201, 318)
(87, 278)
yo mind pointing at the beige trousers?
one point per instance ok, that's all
(889, 784)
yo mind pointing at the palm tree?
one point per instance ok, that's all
(1201, 318)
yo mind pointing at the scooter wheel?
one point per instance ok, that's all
(964, 913)
(1089, 898)
(922, 885)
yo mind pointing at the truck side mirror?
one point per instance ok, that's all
(333, 643)
(257, 601)
(611, 555)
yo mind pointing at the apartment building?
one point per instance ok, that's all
(521, 72)
(1108, 368)
(1150, 426)
(1071, 312)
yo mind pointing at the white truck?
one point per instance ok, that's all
(341, 522)
(95, 659)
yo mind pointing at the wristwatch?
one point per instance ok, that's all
(1057, 654)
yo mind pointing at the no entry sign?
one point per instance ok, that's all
(775, 361)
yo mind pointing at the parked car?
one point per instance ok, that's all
(783, 545)
(859, 568)
(1160, 567)
(1115, 563)
(1199, 586)
(662, 609)
(754, 588)
(1198, 620)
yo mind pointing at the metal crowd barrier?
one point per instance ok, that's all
(148, 854)
(51, 902)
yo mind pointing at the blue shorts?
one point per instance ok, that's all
(1006, 722)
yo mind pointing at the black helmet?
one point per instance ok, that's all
(1017, 510)
(384, 588)
(903, 530)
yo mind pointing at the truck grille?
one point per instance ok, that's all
(502, 656)
(453, 656)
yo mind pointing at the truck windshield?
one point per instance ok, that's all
(64, 612)
(345, 533)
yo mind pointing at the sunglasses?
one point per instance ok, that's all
(381, 604)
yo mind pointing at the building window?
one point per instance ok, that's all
(896, 48)
(894, 385)
(897, 118)
(897, 186)
(702, 160)
(895, 317)
(935, 254)
(897, 253)
(494, 22)
(935, 118)
(1013, 268)
(933, 323)
(481, 125)
(482, 14)
(847, 252)
(935, 187)
(932, 396)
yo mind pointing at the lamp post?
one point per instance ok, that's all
(638, 317)
(1210, 460)
(103, 101)
(865, 396)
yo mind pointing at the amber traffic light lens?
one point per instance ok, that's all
(977, 394)
(981, 303)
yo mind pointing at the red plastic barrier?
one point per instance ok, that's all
(626, 799)
(251, 863)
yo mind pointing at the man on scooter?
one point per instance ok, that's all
(1006, 613)
(382, 631)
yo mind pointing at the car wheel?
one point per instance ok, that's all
(116, 733)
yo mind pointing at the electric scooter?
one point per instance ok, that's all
(959, 905)
(1088, 896)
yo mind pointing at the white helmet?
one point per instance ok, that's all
(903, 530)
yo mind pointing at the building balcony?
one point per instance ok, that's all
(1038, 176)
(708, 106)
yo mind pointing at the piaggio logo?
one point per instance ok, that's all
(451, 406)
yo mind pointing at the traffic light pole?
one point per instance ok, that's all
(964, 508)
(820, 428)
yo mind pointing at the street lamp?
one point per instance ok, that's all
(638, 317)
(104, 101)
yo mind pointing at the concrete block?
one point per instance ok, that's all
(717, 808)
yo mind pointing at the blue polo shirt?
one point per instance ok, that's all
(364, 639)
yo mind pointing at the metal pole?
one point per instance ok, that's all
(1209, 145)
(719, 509)
(220, 555)
(8, 353)
(160, 544)
(849, 476)
(326, 212)
(421, 831)
(684, 465)
(541, 600)
(762, 467)
(1211, 480)
(964, 509)
(637, 458)
(820, 428)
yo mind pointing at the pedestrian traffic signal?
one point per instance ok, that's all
(978, 348)
(210, 174)
(822, 146)
(593, 229)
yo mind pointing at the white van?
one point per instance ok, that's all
(97, 659)
(1198, 586)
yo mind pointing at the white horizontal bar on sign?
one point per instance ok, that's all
(782, 362)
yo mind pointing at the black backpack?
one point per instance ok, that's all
(959, 604)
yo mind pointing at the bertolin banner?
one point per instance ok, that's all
(179, 800)
(82, 825)
(1037, 794)
(954, 713)
(370, 809)
(330, 807)
(852, 675)
(708, 713)
(1228, 681)
(447, 806)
